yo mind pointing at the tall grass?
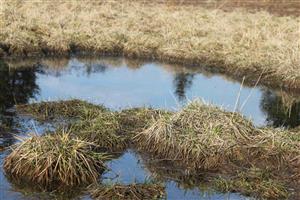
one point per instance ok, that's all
(238, 43)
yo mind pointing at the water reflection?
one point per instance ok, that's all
(119, 82)
(182, 83)
(16, 86)
(281, 110)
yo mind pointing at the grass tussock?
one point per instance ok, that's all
(129, 192)
(55, 160)
(110, 131)
(238, 42)
(207, 137)
(61, 109)
(103, 130)
(135, 120)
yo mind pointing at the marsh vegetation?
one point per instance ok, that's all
(123, 126)
(237, 43)
(234, 154)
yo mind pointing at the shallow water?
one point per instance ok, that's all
(120, 83)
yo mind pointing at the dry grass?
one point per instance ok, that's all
(128, 192)
(135, 120)
(103, 130)
(278, 7)
(86, 121)
(55, 160)
(200, 140)
(238, 43)
(207, 139)
(70, 109)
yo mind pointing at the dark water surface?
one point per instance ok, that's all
(120, 83)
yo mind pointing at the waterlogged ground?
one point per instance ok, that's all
(121, 83)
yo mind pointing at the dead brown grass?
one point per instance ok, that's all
(239, 43)
(208, 138)
(278, 7)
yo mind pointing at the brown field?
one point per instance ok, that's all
(238, 43)
(278, 7)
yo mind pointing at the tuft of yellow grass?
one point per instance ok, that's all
(238, 42)
(55, 160)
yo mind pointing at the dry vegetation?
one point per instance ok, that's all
(128, 192)
(72, 109)
(238, 43)
(55, 160)
(254, 182)
(207, 139)
(202, 139)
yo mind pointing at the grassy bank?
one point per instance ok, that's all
(238, 43)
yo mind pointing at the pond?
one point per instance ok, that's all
(120, 83)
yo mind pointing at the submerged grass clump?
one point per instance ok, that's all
(61, 109)
(128, 192)
(238, 42)
(254, 182)
(55, 160)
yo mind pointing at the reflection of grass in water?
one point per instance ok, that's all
(237, 42)
(254, 182)
(36, 191)
(281, 109)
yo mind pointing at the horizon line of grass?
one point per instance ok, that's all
(237, 43)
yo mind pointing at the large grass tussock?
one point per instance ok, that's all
(55, 160)
(206, 137)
